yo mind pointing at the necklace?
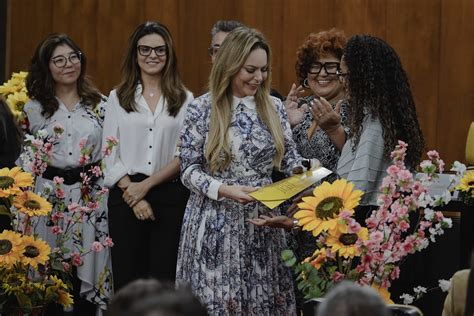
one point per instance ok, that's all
(151, 94)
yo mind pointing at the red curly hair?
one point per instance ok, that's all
(317, 45)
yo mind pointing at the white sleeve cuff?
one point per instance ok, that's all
(113, 175)
(213, 190)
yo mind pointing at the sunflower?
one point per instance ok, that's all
(320, 212)
(32, 204)
(11, 180)
(11, 248)
(345, 243)
(36, 251)
(13, 283)
(16, 101)
(467, 182)
(65, 298)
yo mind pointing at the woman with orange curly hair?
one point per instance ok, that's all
(318, 120)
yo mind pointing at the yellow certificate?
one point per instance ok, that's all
(276, 193)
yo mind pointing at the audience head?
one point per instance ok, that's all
(218, 33)
(242, 69)
(350, 299)
(378, 86)
(151, 53)
(149, 297)
(318, 59)
(58, 61)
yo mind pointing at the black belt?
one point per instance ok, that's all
(70, 176)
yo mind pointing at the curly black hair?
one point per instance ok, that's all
(378, 86)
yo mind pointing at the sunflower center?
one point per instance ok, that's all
(348, 239)
(32, 204)
(470, 183)
(5, 246)
(6, 182)
(31, 252)
(329, 207)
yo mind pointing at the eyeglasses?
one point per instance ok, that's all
(145, 50)
(60, 61)
(330, 67)
(213, 50)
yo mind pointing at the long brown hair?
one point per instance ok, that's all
(40, 83)
(172, 87)
(232, 55)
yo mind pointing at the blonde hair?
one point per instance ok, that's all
(232, 56)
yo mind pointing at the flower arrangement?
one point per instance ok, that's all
(466, 183)
(368, 255)
(32, 273)
(27, 277)
(14, 92)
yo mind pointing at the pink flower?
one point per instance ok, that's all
(76, 259)
(337, 276)
(96, 171)
(60, 193)
(112, 140)
(82, 142)
(73, 207)
(433, 154)
(37, 143)
(405, 175)
(66, 266)
(404, 226)
(108, 242)
(84, 159)
(56, 230)
(376, 236)
(58, 180)
(393, 170)
(97, 246)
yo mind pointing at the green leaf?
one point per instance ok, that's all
(5, 211)
(287, 254)
(290, 263)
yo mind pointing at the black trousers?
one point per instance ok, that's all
(148, 248)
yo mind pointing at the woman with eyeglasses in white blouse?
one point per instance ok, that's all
(147, 199)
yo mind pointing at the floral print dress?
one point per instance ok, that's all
(82, 123)
(233, 266)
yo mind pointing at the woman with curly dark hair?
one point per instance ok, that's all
(61, 94)
(381, 112)
(318, 120)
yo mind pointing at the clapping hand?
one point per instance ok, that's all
(295, 113)
(326, 117)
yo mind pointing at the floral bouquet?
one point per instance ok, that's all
(28, 279)
(368, 255)
(466, 183)
(32, 274)
(14, 92)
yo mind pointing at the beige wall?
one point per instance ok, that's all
(434, 38)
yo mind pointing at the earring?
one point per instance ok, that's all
(305, 83)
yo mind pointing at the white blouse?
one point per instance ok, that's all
(81, 122)
(147, 141)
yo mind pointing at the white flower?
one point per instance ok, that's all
(448, 221)
(47, 188)
(444, 285)
(429, 214)
(419, 290)
(424, 243)
(407, 298)
(458, 167)
(29, 138)
(42, 133)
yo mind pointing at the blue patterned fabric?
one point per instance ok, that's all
(233, 266)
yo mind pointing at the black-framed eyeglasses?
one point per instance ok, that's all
(213, 49)
(60, 61)
(330, 67)
(145, 50)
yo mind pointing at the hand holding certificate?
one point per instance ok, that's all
(276, 193)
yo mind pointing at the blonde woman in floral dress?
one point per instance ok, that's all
(62, 95)
(233, 137)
